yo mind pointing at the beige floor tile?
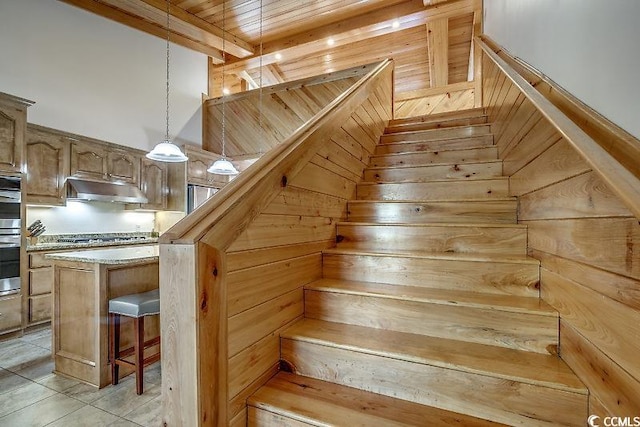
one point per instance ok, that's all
(38, 367)
(89, 394)
(58, 382)
(149, 414)
(22, 356)
(43, 412)
(88, 416)
(126, 400)
(22, 397)
(9, 381)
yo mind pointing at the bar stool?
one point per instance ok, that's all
(136, 306)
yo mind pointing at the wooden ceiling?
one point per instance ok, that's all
(430, 40)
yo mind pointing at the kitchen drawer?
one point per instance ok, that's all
(40, 281)
(10, 313)
(40, 308)
(38, 260)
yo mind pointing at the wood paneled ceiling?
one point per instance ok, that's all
(430, 40)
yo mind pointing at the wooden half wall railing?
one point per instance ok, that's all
(232, 272)
(624, 183)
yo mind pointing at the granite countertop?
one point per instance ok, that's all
(110, 256)
(52, 246)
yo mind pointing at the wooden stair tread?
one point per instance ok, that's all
(321, 403)
(513, 365)
(443, 124)
(431, 118)
(438, 224)
(451, 256)
(452, 150)
(501, 302)
(470, 130)
(449, 180)
(495, 199)
(429, 165)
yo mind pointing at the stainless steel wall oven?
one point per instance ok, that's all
(10, 235)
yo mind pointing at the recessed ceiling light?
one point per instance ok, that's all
(278, 56)
(396, 24)
(225, 91)
(330, 41)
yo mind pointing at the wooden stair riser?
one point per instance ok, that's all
(419, 126)
(506, 401)
(521, 331)
(441, 144)
(289, 399)
(509, 278)
(438, 190)
(507, 240)
(490, 211)
(460, 171)
(433, 134)
(421, 158)
(439, 117)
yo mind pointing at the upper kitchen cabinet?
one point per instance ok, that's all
(197, 165)
(13, 121)
(88, 160)
(47, 166)
(98, 161)
(153, 184)
(123, 166)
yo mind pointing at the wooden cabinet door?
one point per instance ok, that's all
(197, 174)
(88, 160)
(154, 184)
(10, 313)
(123, 166)
(47, 167)
(12, 128)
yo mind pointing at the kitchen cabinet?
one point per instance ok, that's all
(39, 286)
(47, 166)
(13, 122)
(197, 165)
(101, 162)
(10, 313)
(123, 165)
(153, 183)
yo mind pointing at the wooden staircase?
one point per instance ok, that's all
(429, 311)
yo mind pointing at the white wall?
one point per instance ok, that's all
(90, 217)
(589, 47)
(98, 78)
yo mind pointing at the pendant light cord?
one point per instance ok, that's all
(261, 123)
(224, 60)
(167, 130)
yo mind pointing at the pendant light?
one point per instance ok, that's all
(223, 166)
(166, 151)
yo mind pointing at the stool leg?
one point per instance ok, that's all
(139, 352)
(114, 348)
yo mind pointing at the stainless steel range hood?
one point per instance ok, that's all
(103, 191)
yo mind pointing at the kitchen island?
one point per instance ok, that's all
(84, 282)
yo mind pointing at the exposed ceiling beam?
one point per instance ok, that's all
(187, 30)
(246, 77)
(271, 75)
(438, 43)
(377, 23)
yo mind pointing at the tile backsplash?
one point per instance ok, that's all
(90, 217)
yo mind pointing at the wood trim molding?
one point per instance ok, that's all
(622, 182)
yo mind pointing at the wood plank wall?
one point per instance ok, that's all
(455, 97)
(283, 109)
(280, 251)
(587, 242)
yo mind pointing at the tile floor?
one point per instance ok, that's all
(32, 396)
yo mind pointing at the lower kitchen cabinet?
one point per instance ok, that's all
(10, 313)
(40, 284)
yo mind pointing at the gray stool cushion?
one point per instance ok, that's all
(136, 305)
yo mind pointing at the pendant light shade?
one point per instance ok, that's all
(165, 151)
(222, 167)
